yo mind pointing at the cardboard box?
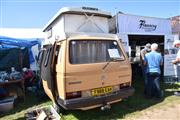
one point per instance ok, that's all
(43, 113)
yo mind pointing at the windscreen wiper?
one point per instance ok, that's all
(111, 60)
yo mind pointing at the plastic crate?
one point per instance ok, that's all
(7, 104)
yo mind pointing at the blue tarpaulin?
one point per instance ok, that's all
(7, 42)
(19, 42)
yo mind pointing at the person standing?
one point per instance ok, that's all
(143, 52)
(177, 62)
(28, 77)
(153, 60)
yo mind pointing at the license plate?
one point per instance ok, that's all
(101, 91)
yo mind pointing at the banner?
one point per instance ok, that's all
(141, 24)
(169, 55)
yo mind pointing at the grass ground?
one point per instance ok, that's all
(126, 109)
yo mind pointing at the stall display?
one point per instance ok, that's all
(3, 76)
(15, 75)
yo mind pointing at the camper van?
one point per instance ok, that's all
(83, 66)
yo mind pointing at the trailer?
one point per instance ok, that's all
(136, 31)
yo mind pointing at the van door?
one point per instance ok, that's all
(48, 70)
(46, 73)
(90, 67)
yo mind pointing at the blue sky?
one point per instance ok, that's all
(36, 13)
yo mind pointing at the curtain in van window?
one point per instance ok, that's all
(87, 51)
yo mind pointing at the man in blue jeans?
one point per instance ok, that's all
(143, 52)
(153, 60)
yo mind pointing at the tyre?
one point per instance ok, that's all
(58, 108)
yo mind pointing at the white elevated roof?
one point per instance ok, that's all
(82, 10)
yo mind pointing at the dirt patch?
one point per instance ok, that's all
(167, 112)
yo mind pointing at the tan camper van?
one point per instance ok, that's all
(84, 70)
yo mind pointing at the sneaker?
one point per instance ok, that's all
(177, 93)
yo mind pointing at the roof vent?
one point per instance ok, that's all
(90, 8)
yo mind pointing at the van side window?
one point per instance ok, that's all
(39, 57)
(47, 57)
(93, 51)
(59, 53)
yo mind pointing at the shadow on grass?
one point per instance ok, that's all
(135, 103)
(21, 105)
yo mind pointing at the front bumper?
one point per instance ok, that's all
(92, 101)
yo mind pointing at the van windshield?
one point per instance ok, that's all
(93, 51)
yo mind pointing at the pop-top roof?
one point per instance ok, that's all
(82, 10)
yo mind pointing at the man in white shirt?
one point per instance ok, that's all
(177, 62)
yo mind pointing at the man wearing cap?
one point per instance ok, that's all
(177, 62)
(143, 52)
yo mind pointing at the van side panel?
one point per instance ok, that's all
(60, 70)
(79, 78)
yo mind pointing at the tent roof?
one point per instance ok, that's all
(19, 42)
